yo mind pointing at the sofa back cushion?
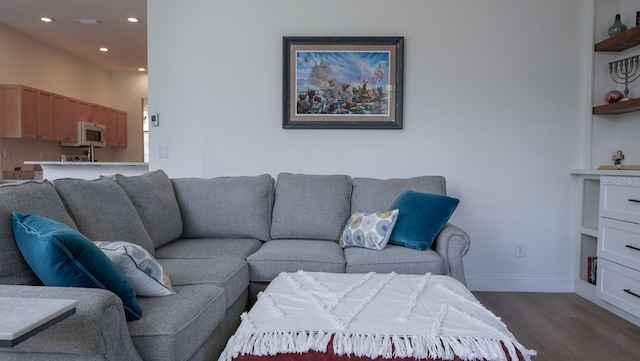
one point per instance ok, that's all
(34, 198)
(311, 206)
(103, 211)
(372, 195)
(225, 207)
(152, 195)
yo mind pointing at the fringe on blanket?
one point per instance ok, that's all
(372, 346)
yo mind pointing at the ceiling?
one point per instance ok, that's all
(127, 42)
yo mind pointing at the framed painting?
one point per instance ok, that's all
(342, 82)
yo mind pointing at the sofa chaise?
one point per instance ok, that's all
(219, 240)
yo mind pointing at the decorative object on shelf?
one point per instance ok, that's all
(624, 71)
(618, 156)
(342, 82)
(617, 26)
(613, 96)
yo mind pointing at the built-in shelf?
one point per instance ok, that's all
(627, 106)
(622, 41)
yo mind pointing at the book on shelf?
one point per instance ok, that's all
(592, 269)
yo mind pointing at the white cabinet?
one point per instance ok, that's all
(618, 280)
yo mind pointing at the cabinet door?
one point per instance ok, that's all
(44, 115)
(94, 113)
(70, 120)
(57, 117)
(112, 127)
(29, 108)
(122, 129)
(82, 111)
(1, 113)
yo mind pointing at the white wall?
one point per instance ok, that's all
(493, 101)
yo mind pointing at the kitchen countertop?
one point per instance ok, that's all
(52, 170)
(86, 163)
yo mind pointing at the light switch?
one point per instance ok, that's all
(163, 151)
(155, 120)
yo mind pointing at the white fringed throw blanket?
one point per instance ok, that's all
(372, 315)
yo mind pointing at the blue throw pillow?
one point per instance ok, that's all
(61, 256)
(421, 218)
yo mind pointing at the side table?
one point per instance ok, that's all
(21, 318)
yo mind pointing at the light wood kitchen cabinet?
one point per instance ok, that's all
(43, 119)
(70, 120)
(57, 116)
(121, 128)
(82, 111)
(27, 112)
(116, 128)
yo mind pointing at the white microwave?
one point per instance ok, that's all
(89, 134)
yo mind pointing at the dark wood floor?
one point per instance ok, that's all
(564, 326)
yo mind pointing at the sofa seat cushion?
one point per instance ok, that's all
(291, 255)
(370, 194)
(153, 196)
(231, 274)
(103, 211)
(225, 207)
(175, 327)
(393, 258)
(311, 206)
(209, 248)
(38, 198)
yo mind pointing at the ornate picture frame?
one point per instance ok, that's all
(342, 82)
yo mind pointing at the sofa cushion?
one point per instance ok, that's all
(62, 256)
(370, 194)
(175, 327)
(30, 198)
(231, 274)
(311, 206)
(209, 248)
(152, 195)
(369, 229)
(291, 255)
(103, 211)
(393, 258)
(139, 267)
(422, 216)
(225, 207)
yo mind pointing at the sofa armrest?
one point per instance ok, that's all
(452, 244)
(98, 329)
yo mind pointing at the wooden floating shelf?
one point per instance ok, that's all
(627, 106)
(622, 41)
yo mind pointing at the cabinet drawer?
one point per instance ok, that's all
(619, 242)
(619, 286)
(620, 198)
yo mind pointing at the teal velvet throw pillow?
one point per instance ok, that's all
(421, 218)
(61, 256)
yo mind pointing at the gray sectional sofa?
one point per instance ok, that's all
(220, 241)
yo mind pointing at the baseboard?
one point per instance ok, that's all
(520, 283)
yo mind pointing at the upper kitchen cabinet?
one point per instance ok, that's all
(63, 119)
(26, 112)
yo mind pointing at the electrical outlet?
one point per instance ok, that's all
(163, 151)
(520, 249)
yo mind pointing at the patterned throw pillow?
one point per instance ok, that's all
(369, 229)
(139, 267)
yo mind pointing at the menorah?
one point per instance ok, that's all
(624, 71)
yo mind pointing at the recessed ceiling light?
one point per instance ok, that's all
(47, 19)
(132, 20)
(142, 69)
(103, 49)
